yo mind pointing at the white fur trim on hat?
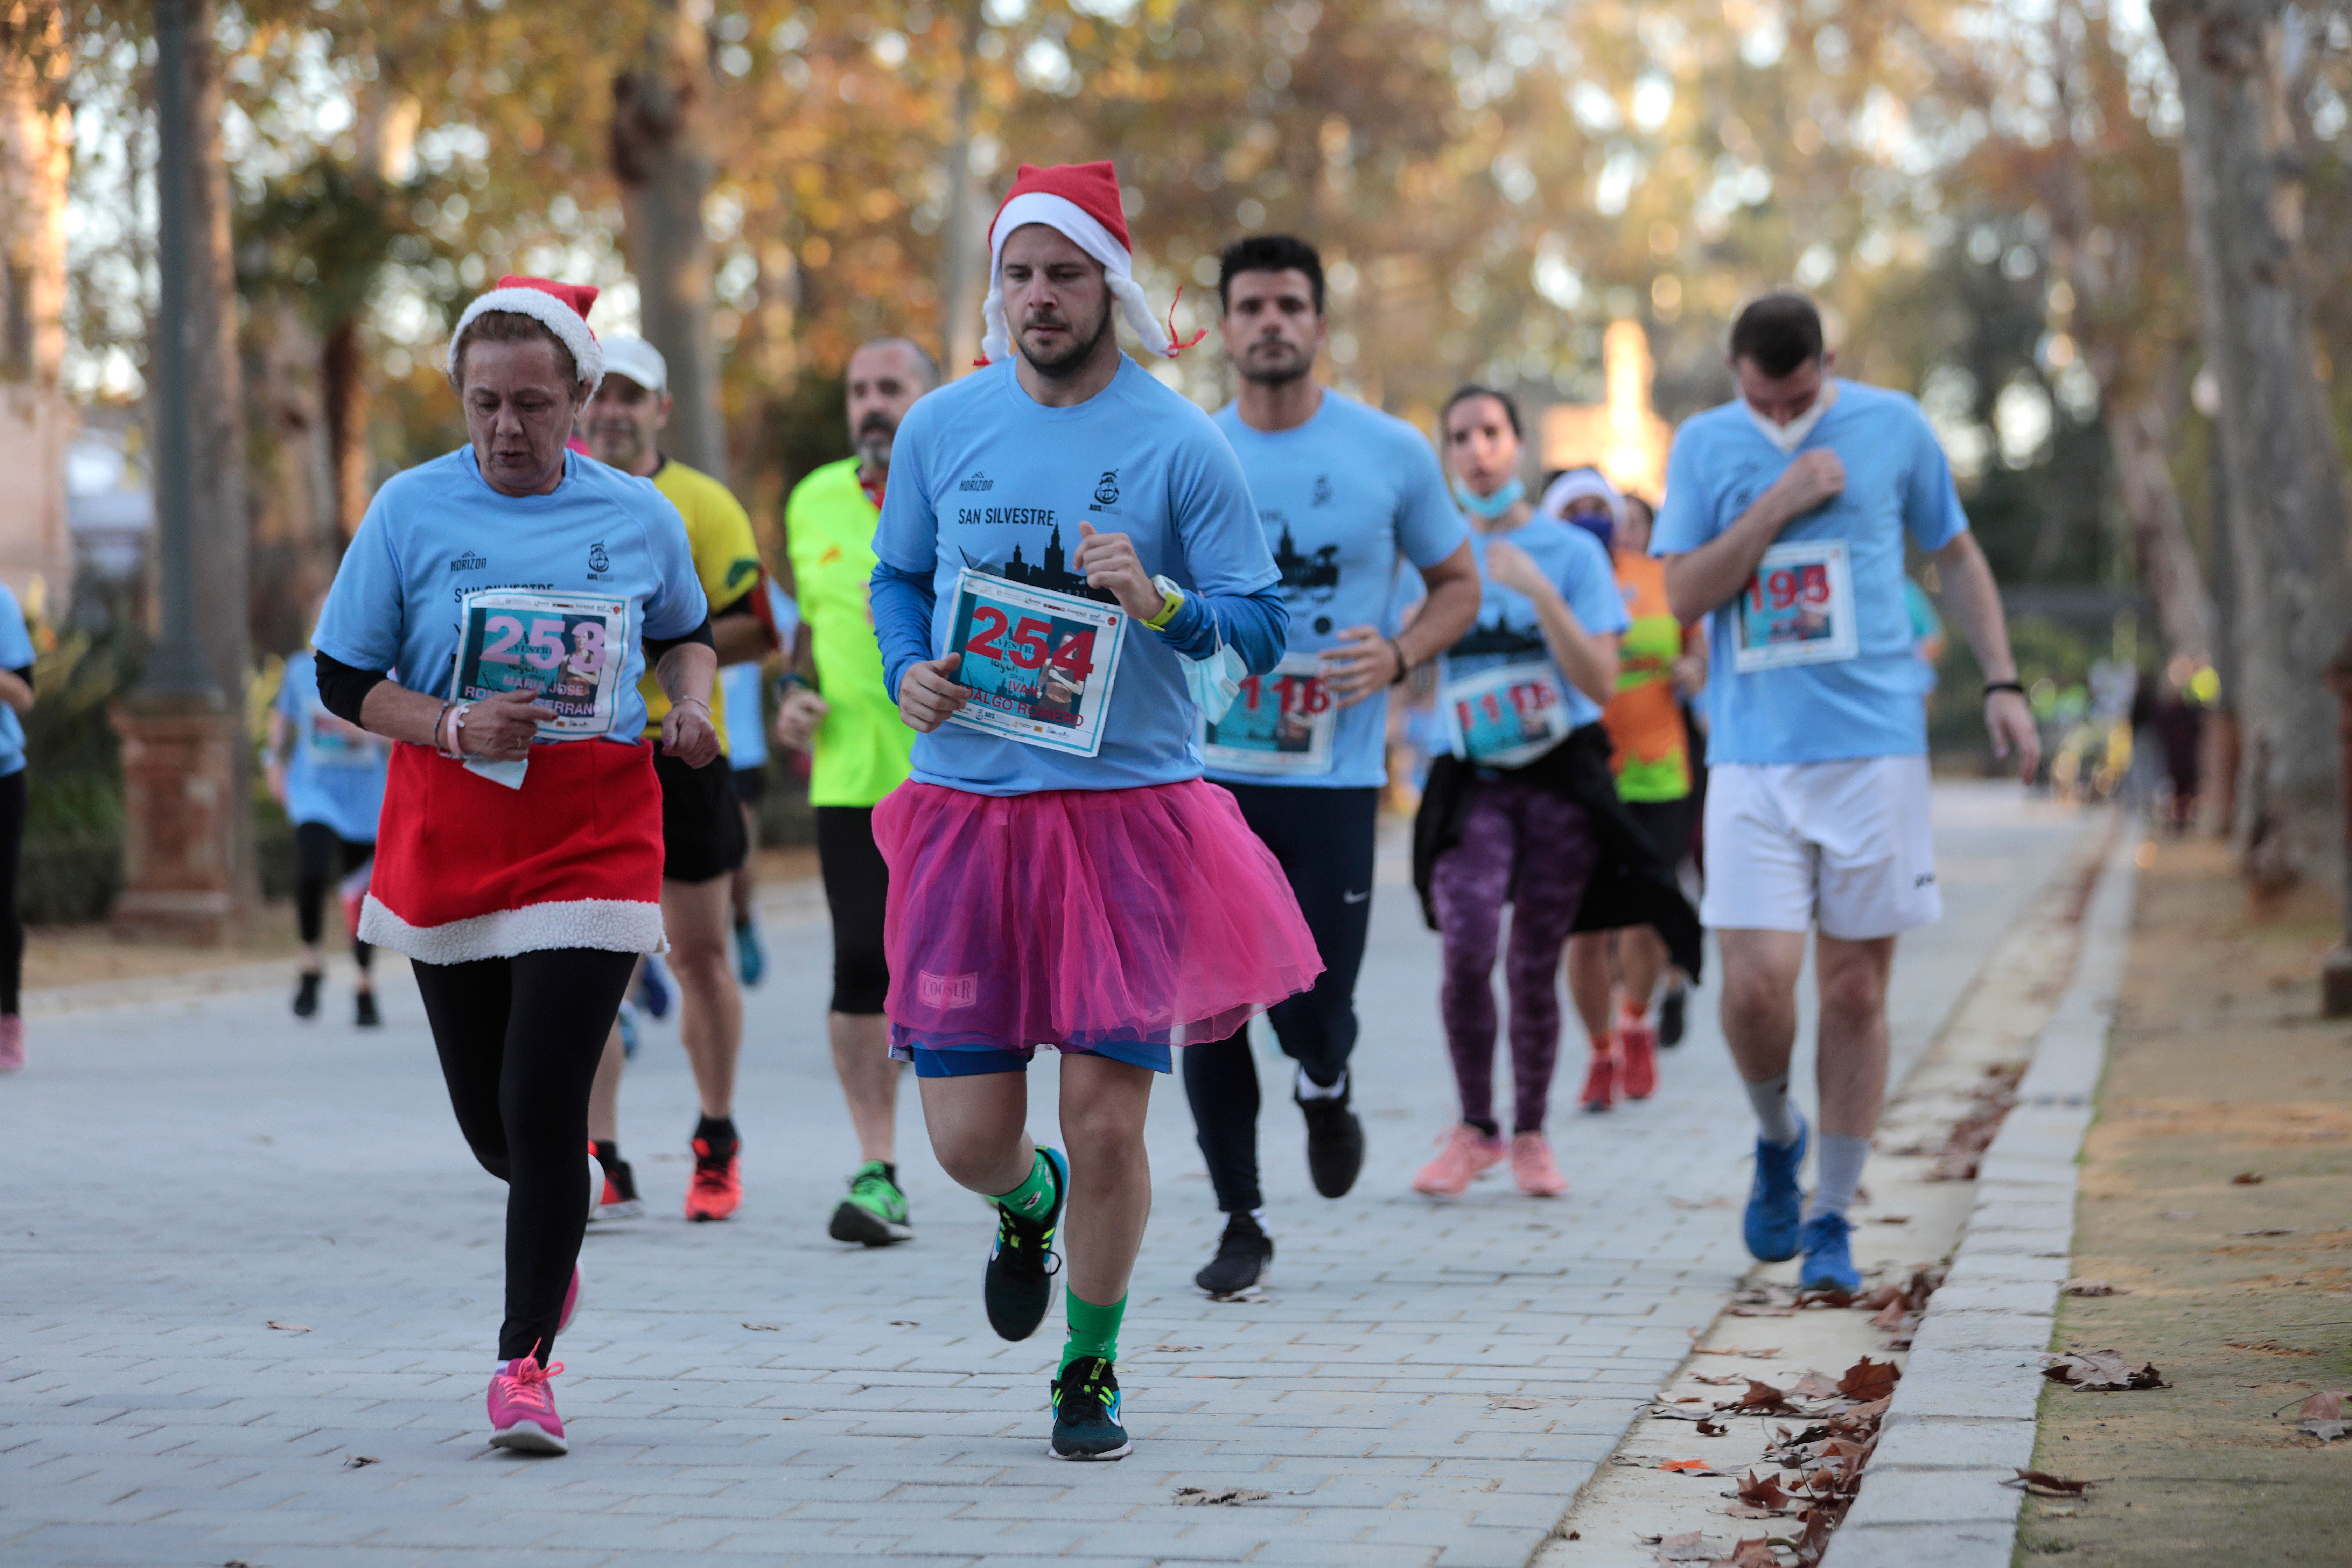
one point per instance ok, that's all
(559, 318)
(1087, 232)
(1575, 485)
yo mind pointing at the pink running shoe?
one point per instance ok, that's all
(1600, 1082)
(1637, 1052)
(1468, 1155)
(1531, 1163)
(522, 1408)
(571, 1300)
(11, 1042)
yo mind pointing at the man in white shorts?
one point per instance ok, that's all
(1783, 522)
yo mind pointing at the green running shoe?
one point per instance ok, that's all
(875, 1212)
(1086, 1413)
(1018, 1288)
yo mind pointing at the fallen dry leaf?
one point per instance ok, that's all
(1220, 1497)
(1753, 1355)
(1710, 1429)
(1762, 1491)
(1837, 1300)
(2094, 1371)
(1512, 1402)
(2090, 1287)
(1690, 1466)
(1867, 1380)
(1755, 1553)
(1726, 1380)
(1814, 1385)
(2321, 1415)
(2042, 1483)
(2247, 1179)
(1741, 1310)
(1689, 1547)
(1680, 1413)
(361, 1461)
(1761, 1399)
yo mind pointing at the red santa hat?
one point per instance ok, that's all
(1081, 201)
(561, 308)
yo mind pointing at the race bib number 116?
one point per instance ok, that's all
(1279, 723)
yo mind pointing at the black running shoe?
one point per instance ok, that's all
(1670, 1014)
(1019, 1285)
(1086, 1413)
(306, 997)
(1335, 1140)
(363, 1012)
(1243, 1254)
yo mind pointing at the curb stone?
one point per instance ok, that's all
(1963, 1418)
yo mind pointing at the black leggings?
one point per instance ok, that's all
(857, 889)
(520, 1038)
(317, 849)
(1323, 839)
(12, 917)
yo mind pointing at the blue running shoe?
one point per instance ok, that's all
(1828, 1260)
(1086, 1413)
(653, 989)
(1774, 1203)
(750, 953)
(628, 1020)
(1019, 1284)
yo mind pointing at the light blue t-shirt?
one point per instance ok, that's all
(747, 742)
(438, 532)
(1345, 500)
(983, 476)
(337, 772)
(1508, 630)
(1896, 479)
(15, 653)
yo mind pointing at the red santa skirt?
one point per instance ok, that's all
(467, 870)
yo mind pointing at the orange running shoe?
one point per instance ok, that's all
(1636, 1045)
(717, 1188)
(1600, 1078)
(1532, 1166)
(1468, 1155)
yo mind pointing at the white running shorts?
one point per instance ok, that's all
(1845, 844)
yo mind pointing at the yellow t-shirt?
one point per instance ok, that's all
(860, 749)
(725, 557)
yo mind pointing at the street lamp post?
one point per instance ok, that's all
(183, 811)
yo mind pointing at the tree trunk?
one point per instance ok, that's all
(344, 398)
(661, 157)
(2244, 189)
(963, 238)
(2141, 438)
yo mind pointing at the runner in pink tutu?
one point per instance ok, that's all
(1071, 573)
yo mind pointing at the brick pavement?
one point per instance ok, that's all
(188, 1169)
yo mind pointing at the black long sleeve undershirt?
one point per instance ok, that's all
(343, 688)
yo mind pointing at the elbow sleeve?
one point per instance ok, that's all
(656, 647)
(343, 688)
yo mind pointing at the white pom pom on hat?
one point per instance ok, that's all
(1080, 200)
(561, 308)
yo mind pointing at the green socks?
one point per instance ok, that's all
(1094, 1331)
(1033, 1199)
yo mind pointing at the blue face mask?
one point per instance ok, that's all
(1494, 506)
(1599, 524)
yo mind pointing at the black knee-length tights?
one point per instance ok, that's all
(519, 1039)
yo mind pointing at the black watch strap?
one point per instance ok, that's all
(1993, 685)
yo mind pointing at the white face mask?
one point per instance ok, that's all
(1790, 436)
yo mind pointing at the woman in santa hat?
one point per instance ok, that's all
(495, 612)
(1102, 899)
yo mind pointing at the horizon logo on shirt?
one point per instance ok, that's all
(469, 562)
(979, 481)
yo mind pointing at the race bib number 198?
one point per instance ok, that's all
(1280, 723)
(1796, 609)
(566, 650)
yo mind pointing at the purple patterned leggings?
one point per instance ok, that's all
(1534, 850)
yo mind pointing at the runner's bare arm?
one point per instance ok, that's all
(1698, 581)
(1974, 599)
(1366, 662)
(1588, 660)
(686, 669)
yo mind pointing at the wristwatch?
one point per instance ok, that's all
(1171, 605)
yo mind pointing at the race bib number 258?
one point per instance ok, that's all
(567, 651)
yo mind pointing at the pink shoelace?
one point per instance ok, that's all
(530, 1380)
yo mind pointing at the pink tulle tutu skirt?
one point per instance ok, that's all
(1082, 918)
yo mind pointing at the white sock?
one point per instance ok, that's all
(1258, 1214)
(1837, 1174)
(1310, 1089)
(1776, 1118)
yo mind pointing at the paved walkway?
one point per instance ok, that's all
(1425, 1385)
